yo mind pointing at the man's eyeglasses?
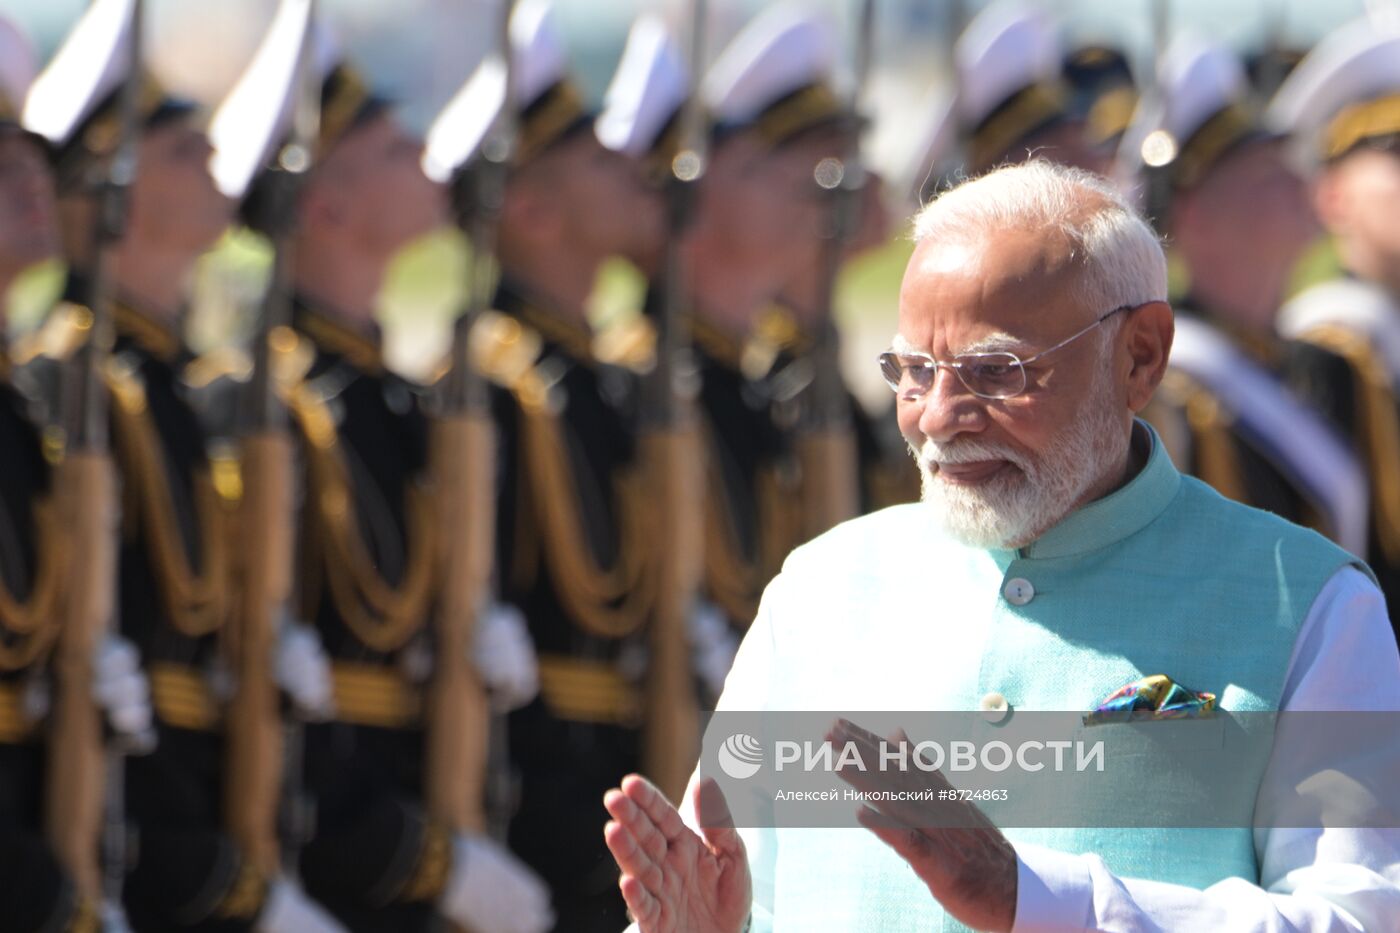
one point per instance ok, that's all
(995, 375)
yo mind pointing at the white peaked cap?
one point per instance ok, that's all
(783, 50)
(647, 90)
(539, 62)
(1357, 63)
(257, 114)
(17, 65)
(92, 63)
(935, 147)
(1199, 78)
(1008, 47)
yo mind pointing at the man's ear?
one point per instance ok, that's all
(1147, 341)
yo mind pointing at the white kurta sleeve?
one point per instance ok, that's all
(1313, 880)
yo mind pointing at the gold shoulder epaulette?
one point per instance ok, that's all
(503, 349)
(776, 333)
(630, 343)
(222, 363)
(778, 326)
(65, 329)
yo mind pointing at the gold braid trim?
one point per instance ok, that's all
(1025, 110)
(15, 724)
(609, 602)
(1217, 461)
(373, 695)
(197, 603)
(1378, 424)
(585, 690)
(1359, 122)
(182, 698)
(733, 582)
(382, 616)
(35, 620)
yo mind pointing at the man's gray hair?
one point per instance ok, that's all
(1122, 257)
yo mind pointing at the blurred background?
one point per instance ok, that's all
(420, 51)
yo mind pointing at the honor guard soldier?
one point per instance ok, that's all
(1236, 218)
(1342, 107)
(39, 892)
(574, 551)
(175, 584)
(367, 569)
(765, 91)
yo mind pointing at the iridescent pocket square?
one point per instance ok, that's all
(1149, 698)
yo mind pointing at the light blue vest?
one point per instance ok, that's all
(1164, 576)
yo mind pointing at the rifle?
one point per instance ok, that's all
(255, 727)
(462, 736)
(84, 800)
(825, 442)
(1158, 150)
(669, 448)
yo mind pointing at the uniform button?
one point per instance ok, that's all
(1018, 591)
(994, 707)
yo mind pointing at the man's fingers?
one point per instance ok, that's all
(655, 805)
(631, 816)
(912, 845)
(716, 822)
(630, 856)
(920, 799)
(640, 902)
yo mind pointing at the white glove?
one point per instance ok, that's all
(120, 687)
(491, 891)
(504, 656)
(288, 909)
(713, 645)
(112, 918)
(304, 671)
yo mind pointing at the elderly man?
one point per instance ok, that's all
(1064, 549)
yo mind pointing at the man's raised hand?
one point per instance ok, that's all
(673, 880)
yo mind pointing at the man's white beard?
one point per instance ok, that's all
(1018, 505)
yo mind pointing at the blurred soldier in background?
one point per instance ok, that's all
(1342, 106)
(366, 557)
(643, 119)
(765, 91)
(574, 556)
(38, 893)
(174, 589)
(1237, 220)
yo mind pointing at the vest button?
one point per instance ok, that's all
(994, 707)
(1018, 591)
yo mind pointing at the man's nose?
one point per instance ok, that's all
(950, 409)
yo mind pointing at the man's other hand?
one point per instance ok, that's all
(965, 861)
(673, 880)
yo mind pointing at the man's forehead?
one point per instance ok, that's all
(994, 289)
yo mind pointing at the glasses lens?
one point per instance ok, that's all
(908, 375)
(992, 375)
